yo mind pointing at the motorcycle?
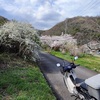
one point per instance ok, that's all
(88, 89)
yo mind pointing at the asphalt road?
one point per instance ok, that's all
(54, 77)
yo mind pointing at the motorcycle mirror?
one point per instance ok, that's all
(76, 57)
(58, 64)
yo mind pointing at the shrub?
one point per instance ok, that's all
(72, 48)
(20, 38)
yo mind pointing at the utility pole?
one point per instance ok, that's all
(66, 20)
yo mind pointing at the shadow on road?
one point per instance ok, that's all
(48, 63)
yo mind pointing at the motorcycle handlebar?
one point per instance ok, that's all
(77, 65)
(73, 65)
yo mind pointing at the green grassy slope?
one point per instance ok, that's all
(21, 80)
(87, 61)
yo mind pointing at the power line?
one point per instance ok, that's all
(89, 6)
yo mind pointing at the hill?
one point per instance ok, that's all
(3, 20)
(84, 29)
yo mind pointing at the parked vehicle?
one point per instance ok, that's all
(88, 89)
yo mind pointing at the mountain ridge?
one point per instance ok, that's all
(84, 29)
(3, 20)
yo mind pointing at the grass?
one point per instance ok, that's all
(21, 80)
(88, 61)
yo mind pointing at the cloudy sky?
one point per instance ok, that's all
(44, 14)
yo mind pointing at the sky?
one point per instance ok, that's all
(44, 14)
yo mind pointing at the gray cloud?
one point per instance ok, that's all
(51, 16)
(44, 14)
